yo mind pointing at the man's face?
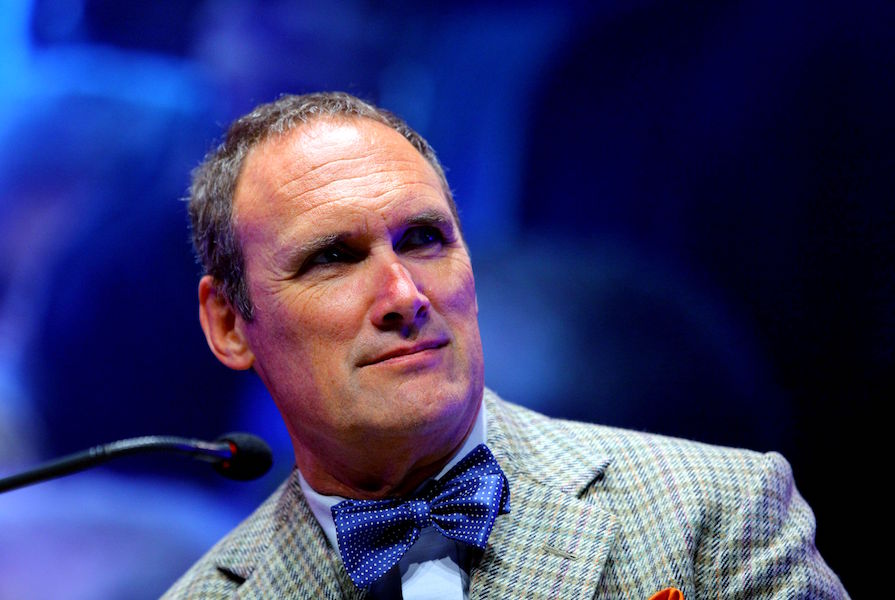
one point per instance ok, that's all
(365, 327)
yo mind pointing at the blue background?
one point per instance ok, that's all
(680, 217)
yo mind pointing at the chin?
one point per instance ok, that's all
(422, 414)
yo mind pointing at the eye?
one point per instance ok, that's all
(416, 238)
(331, 255)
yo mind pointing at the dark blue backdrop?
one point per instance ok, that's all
(680, 218)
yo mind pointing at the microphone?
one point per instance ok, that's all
(240, 456)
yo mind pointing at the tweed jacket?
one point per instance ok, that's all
(596, 512)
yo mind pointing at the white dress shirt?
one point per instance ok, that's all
(435, 567)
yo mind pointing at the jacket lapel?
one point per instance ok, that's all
(287, 556)
(551, 544)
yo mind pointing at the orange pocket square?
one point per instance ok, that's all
(668, 594)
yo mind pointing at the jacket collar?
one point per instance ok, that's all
(282, 552)
(551, 541)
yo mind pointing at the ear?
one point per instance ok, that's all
(224, 328)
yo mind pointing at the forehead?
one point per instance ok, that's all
(330, 161)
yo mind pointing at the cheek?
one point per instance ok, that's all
(463, 293)
(322, 328)
(456, 295)
(325, 313)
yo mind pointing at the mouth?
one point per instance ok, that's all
(406, 351)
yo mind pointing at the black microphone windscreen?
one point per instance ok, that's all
(251, 458)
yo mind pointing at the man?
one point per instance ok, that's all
(336, 269)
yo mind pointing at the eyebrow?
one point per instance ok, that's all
(430, 217)
(319, 243)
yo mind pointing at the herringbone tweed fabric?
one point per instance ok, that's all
(596, 512)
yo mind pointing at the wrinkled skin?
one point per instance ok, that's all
(365, 328)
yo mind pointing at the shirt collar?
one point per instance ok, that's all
(321, 504)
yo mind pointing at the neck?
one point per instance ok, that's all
(381, 468)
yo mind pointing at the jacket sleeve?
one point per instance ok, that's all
(766, 550)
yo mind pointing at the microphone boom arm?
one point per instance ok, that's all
(221, 453)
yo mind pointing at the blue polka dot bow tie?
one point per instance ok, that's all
(373, 535)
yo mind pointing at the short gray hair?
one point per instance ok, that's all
(214, 181)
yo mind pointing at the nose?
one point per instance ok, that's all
(400, 303)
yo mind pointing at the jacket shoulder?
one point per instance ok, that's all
(546, 442)
(227, 564)
(726, 522)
